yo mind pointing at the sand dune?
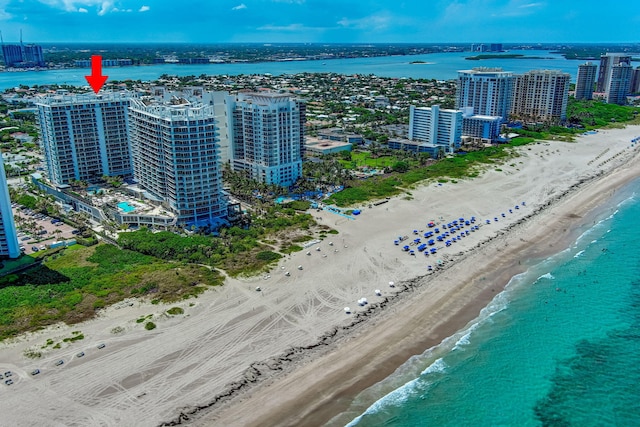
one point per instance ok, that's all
(288, 354)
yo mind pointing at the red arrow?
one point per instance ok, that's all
(96, 79)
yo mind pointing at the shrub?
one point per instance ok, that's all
(268, 256)
(175, 310)
(149, 326)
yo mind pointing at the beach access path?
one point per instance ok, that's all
(288, 354)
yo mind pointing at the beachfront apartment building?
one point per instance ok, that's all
(619, 84)
(176, 158)
(9, 246)
(266, 131)
(85, 137)
(433, 125)
(487, 90)
(541, 96)
(607, 61)
(585, 80)
(480, 128)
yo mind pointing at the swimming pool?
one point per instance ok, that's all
(126, 207)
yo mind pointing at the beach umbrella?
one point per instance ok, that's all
(330, 243)
(391, 284)
(378, 292)
(347, 310)
(299, 267)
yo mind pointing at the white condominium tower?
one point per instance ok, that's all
(487, 90)
(435, 126)
(267, 134)
(608, 61)
(176, 158)
(8, 237)
(541, 96)
(586, 79)
(619, 84)
(85, 137)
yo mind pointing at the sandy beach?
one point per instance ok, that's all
(289, 354)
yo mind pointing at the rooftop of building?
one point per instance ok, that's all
(65, 98)
(311, 141)
(486, 70)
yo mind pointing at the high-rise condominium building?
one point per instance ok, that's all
(436, 126)
(216, 99)
(618, 84)
(9, 246)
(22, 55)
(541, 95)
(85, 137)
(606, 62)
(585, 80)
(487, 90)
(176, 158)
(267, 135)
(634, 87)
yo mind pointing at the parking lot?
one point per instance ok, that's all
(50, 230)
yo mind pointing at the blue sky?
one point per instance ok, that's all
(329, 21)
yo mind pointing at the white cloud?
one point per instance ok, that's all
(239, 7)
(82, 10)
(144, 9)
(372, 22)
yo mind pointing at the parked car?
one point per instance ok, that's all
(35, 372)
(34, 248)
(80, 354)
(59, 362)
(101, 345)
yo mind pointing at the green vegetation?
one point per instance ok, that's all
(366, 159)
(66, 287)
(236, 250)
(597, 114)
(149, 326)
(457, 167)
(175, 311)
(299, 205)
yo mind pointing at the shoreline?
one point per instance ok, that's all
(328, 397)
(289, 355)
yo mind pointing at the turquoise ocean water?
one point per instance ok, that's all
(559, 347)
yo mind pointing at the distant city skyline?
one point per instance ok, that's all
(320, 21)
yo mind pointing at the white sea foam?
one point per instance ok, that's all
(401, 394)
(438, 366)
(579, 254)
(548, 276)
